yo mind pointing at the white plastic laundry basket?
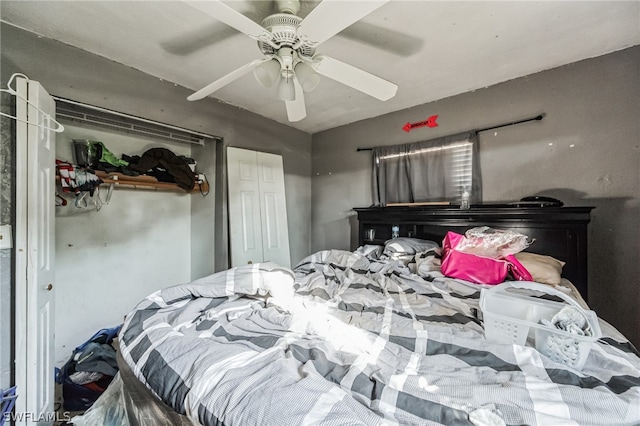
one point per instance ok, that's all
(512, 316)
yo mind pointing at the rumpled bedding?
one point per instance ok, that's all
(349, 338)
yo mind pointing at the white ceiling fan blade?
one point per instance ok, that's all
(332, 16)
(355, 77)
(221, 82)
(220, 11)
(296, 109)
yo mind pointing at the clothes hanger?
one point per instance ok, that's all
(58, 127)
(60, 200)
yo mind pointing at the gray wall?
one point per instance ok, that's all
(585, 152)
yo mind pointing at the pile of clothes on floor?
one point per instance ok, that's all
(89, 370)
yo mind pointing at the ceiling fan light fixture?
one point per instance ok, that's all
(286, 88)
(307, 77)
(267, 72)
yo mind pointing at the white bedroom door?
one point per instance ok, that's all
(35, 253)
(258, 228)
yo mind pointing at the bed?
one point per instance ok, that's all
(366, 337)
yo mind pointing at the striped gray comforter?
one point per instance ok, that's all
(344, 339)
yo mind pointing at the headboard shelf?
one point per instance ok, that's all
(560, 232)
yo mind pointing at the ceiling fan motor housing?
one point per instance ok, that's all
(288, 6)
(284, 28)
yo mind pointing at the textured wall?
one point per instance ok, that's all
(585, 152)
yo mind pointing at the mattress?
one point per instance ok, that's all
(353, 338)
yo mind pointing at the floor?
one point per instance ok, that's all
(62, 415)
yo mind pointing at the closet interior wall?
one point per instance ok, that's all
(141, 241)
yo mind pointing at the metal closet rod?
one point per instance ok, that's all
(536, 118)
(133, 117)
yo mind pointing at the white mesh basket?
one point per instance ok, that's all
(513, 316)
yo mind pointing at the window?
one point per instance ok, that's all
(434, 170)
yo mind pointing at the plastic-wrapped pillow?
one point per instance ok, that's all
(494, 243)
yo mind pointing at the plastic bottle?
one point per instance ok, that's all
(464, 201)
(395, 231)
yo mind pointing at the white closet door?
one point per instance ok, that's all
(245, 228)
(273, 209)
(35, 253)
(257, 210)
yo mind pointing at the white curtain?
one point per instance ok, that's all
(434, 170)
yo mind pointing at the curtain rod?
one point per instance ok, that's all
(536, 118)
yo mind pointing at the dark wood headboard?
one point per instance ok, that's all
(560, 232)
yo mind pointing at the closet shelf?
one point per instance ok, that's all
(144, 182)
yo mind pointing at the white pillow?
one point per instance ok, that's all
(406, 245)
(543, 269)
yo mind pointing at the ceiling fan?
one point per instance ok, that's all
(289, 43)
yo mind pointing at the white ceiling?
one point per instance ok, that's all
(430, 49)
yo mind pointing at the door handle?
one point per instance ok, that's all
(49, 287)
